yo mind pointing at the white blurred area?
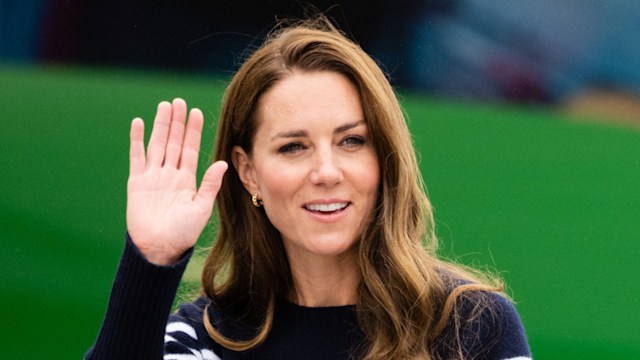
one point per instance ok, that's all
(562, 46)
(581, 55)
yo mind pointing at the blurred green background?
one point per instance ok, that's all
(552, 204)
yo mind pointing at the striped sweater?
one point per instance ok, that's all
(136, 325)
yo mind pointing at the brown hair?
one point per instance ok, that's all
(405, 298)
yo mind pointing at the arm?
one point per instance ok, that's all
(510, 339)
(139, 306)
(166, 214)
(483, 325)
(491, 328)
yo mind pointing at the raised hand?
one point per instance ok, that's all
(166, 213)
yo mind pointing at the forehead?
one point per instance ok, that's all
(309, 98)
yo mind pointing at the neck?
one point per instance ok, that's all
(322, 281)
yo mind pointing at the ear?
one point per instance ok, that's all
(244, 167)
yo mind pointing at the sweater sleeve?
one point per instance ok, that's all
(492, 329)
(139, 306)
(483, 326)
(510, 340)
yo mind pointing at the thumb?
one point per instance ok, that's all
(211, 183)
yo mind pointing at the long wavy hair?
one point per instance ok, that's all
(407, 296)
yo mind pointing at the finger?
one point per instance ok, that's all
(137, 159)
(192, 139)
(211, 184)
(158, 140)
(176, 133)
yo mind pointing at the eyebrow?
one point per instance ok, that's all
(303, 133)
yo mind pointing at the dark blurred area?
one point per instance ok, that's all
(532, 52)
(191, 35)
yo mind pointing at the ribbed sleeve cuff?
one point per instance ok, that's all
(139, 306)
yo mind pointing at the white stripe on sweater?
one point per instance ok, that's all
(168, 338)
(181, 357)
(203, 355)
(182, 327)
(209, 355)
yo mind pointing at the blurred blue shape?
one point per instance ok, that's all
(19, 27)
(526, 51)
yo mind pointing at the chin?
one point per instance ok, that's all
(330, 246)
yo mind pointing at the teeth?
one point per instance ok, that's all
(326, 207)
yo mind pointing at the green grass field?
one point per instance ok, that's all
(552, 204)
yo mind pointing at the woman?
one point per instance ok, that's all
(325, 246)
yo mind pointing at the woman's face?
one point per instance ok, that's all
(313, 163)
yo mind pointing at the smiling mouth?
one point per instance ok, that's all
(327, 208)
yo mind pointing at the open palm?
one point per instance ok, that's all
(166, 212)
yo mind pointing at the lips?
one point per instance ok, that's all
(327, 208)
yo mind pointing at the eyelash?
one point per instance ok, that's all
(353, 141)
(291, 147)
(349, 141)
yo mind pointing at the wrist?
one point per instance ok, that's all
(158, 256)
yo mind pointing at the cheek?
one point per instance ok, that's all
(281, 196)
(278, 183)
(370, 174)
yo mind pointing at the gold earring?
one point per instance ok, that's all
(256, 202)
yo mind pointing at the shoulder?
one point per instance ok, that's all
(186, 334)
(485, 325)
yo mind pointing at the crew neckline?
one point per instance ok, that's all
(292, 305)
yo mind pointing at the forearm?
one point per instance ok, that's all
(139, 306)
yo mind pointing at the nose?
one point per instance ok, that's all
(326, 169)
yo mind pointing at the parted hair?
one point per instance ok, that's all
(407, 295)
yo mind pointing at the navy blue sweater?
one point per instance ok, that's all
(136, 325)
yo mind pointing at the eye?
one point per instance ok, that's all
(291, 148)
(353, 141)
